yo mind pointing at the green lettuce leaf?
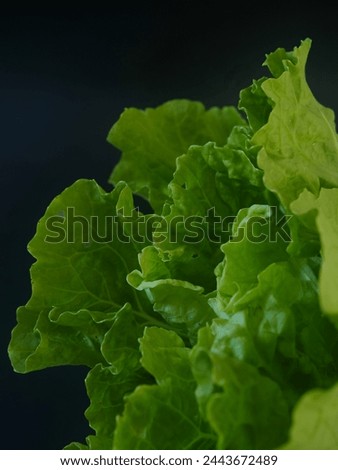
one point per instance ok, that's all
(180, 303)
(299, 141)
(165, 415)
(106, 391)
(314, 421)
(209, 186)
(150, 141)
(323, 212)
(38, 341)
(255, 103)
(268, 307)
(83, 255)
(259, 238)
(246, 409)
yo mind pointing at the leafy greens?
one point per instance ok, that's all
(210, 323)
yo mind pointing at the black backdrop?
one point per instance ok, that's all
(65, 76)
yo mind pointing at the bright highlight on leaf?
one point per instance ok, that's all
(210, 323)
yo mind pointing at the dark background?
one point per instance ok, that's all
(65, 77)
